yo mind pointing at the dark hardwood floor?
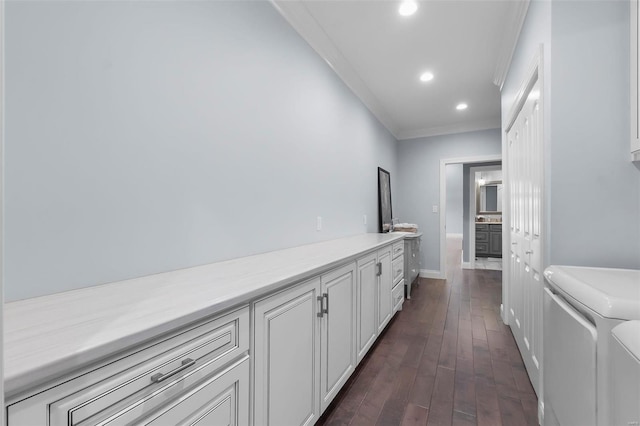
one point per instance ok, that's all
(445, 359)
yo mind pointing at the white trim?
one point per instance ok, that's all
(454, 236)
(301, 19)
(443, 199)
(449, 129)
(467, 265)
(430, 273)
(2, 113)
(515, 21)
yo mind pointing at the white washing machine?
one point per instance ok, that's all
(581, 307)
(625, 372)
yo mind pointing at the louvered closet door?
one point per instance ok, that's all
(524, 157)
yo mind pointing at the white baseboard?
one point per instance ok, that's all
(466, 265)
(540, 412)
(454, 235)
(430, 273)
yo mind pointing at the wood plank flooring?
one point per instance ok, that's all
(445, 359)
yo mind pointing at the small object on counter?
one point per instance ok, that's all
(406, 227)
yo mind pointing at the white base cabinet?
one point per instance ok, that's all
(198, 372)
(304, 348)
(367, 303)
(287, 357)
(279, 359)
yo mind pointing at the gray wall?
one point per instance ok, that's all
(587, 161)
(454, 199)
(419, 180)
(590, 160)
(144, 137)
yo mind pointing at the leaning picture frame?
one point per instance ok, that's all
(384, 200)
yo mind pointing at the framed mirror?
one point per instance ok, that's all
(489, 198)
(384, 200)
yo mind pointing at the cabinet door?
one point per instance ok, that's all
(286, 357)
(338, 356)
(366, 303)
(495, 244)
(385, 284)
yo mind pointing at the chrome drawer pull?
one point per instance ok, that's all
(186, 363)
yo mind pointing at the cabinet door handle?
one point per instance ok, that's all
(325, 296)
(379, 265)
(321, 311)
(160, 377)
(528, 252)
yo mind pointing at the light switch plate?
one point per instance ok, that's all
(319, 223)
(434, 209)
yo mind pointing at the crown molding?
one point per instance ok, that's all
(515, 21)
(454, 128)
(300, 18)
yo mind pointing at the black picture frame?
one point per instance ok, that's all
(385, 214)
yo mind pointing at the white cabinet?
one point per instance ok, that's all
(367, 301)
(165, 379)
(287, 357)
(304, 348)
(634, 81)
(338, 329)
(375, 305)
(385, 284)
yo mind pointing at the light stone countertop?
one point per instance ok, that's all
(49, 336)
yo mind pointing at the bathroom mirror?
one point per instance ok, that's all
(489, 198)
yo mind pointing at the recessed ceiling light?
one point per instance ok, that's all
(408, 8)
(426, 76)
(461, 106)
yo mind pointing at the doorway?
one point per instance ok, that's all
(477, 160)
(485, 220)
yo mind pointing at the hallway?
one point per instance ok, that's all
(446, 359)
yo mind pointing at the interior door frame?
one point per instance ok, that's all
(443, 201)
(2, 52)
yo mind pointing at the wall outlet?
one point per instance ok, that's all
(434, 209)
(319, 223)
(364, 219)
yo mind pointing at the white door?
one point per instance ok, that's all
(338, 357)
(525, 178)
(366, 299)
(385, 284)
(286, 357)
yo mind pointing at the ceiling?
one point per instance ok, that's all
(380, 55)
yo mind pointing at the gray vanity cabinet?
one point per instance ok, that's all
(488, 240)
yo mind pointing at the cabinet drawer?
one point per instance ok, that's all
(397, 295)
(495, 228)
(482, 249)
(398, 249)
(161, 372)
(482, 236)
(222, 398)
(398, 269)
(482, 226)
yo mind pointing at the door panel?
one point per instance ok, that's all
(338, 357)
(524, 162)
(366, 299)
(286, 376)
